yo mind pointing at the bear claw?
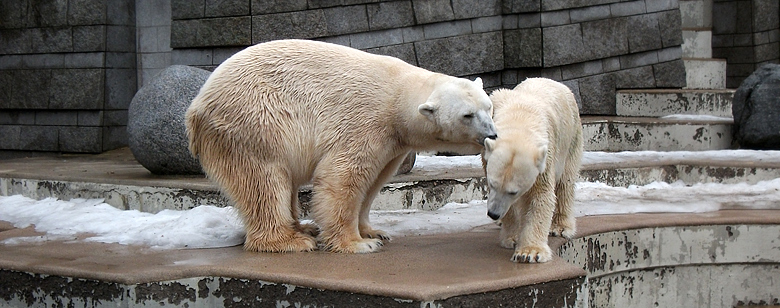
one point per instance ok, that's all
(375, 234)
(532, 255)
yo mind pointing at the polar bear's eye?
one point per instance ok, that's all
(511, 193)
(468, 116)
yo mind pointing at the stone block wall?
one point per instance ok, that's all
(595, 47)
(67, 74)
(747, 34)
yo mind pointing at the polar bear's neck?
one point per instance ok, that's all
(414, 128)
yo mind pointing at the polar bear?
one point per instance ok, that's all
(281, 114)
(532, 167)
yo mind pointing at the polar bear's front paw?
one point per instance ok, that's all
(367, 245)
(368, 233)
(508, 242)
(294, 242)
(563, 227)
(562, 231)
(532, 254)
(359, 246)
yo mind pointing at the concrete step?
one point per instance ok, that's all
(696, 14)
(697, 43)
(705, 73)
(663, 102)
(432, 183)
(659, 259)
(614, 134)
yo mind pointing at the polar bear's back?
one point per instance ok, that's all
(536, 101)
(291, 93)
(542, 109)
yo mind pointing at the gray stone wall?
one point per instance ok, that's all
(67, 74)
(595, 47)
(747, 34)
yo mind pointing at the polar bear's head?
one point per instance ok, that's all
(461, 111)
(512, 166)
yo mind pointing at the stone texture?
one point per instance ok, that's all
(404, 52)
(756, 110)
(222, 8)
(187, 9)
(462, 55)
(428, 11)
(670, 74)
(563, 45)
(89, 38)
(13, 14)
(38, 138)
(87, 12)
(302, 25)
(635, 78)
(605, 38)
(475, 8)
(80, 139)
(260, 7)
(51, 39)
(374, 39)
(645, 33)
(598, 94)
(520, 6)
(522, 48)
(551, 5)
(52, 13)
(670, 24)
(386, 15)
(76, 89)
(156, 121)
(347, 19)
(226, 31)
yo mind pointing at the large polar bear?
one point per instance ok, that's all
(532, 167)
(280, 114)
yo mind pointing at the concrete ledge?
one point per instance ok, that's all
(125, 184)
(455, 270)
(705, 73)
(662, 102)
(615, 134)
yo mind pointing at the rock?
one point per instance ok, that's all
(756, 110)
(155, 123)
(408, 163)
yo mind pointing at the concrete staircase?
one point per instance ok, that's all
(703, 72)
(663, 120)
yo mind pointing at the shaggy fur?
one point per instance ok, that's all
(532, 167)
(285, 113)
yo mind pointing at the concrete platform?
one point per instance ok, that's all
(116, 177)
(465, 269)
(454, 270)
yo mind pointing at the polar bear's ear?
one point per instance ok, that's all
(478, 81)
(490, 144)
(427, 109)
(541, 158)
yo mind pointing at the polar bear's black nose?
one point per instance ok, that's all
(494, 216)
(492, 137)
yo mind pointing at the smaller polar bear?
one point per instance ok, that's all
(532, 167)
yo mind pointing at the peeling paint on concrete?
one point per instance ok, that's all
(126, 197)
(658, 103)
(661, 135)
(680, 266)
(695, 266)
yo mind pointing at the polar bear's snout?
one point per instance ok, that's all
(489, 130)
(493, 215)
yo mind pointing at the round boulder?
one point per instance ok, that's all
(155, 123)
(756, 110)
